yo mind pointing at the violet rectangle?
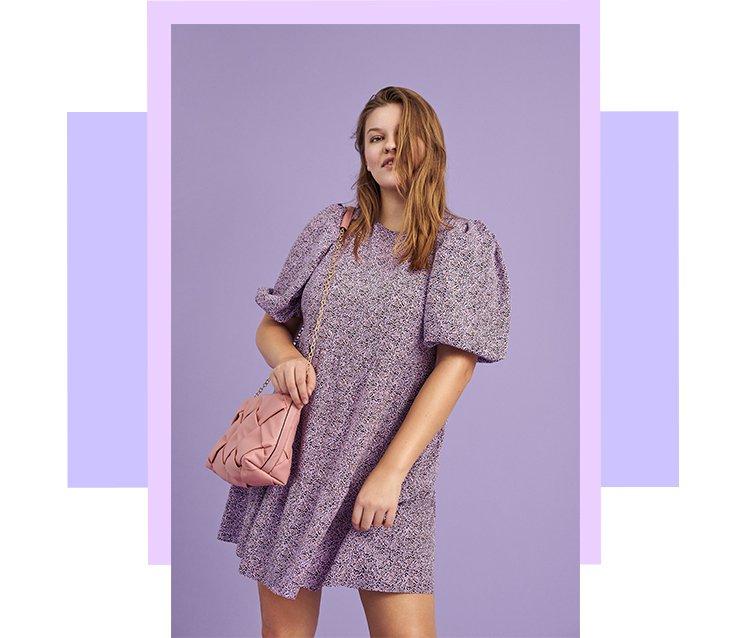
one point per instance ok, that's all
(107, 306)
(639, 299)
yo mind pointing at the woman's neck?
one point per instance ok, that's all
(391, 210)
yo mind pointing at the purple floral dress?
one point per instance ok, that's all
(375, 349)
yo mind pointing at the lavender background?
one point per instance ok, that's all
(261, 123)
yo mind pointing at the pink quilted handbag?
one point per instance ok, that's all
(256, 449)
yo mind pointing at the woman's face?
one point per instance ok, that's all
(381, 139)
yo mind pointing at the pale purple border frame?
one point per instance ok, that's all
(160, 15)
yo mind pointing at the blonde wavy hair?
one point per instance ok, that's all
(420, 172)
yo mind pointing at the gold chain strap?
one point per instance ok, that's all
(321, 309)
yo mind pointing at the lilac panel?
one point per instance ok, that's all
(107, 330)
(639, 301)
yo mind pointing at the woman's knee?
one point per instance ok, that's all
(399, 615)
(285, 618)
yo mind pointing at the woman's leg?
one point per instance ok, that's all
(285, 618)
(399, 615)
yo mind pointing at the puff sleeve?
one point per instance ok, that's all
(468, 297)
(283, 301)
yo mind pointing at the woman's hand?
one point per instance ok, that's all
(296, 378)
(377, 500)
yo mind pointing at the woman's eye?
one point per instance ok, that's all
(377, 137)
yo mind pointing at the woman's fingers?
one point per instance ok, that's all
(363, 518)
(295, 378)
(292, 385)
(301, 382)
(356, 515)
(311, 380)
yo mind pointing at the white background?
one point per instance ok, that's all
(74, 561)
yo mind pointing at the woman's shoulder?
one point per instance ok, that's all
(329, 215)
(456, 230)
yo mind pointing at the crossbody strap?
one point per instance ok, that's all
(344, 223)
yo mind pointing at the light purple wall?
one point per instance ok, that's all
(261, 123)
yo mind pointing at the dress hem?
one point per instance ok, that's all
(327, 582)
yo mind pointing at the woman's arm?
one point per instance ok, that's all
(274, 339)
(430, 409)
(377, 500)
(291, 373)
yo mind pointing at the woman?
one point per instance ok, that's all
(419, 296)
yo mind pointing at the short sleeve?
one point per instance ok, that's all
(283, 301)
(468, 296)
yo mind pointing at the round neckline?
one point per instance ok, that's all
(378, 223)
(386, 229)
